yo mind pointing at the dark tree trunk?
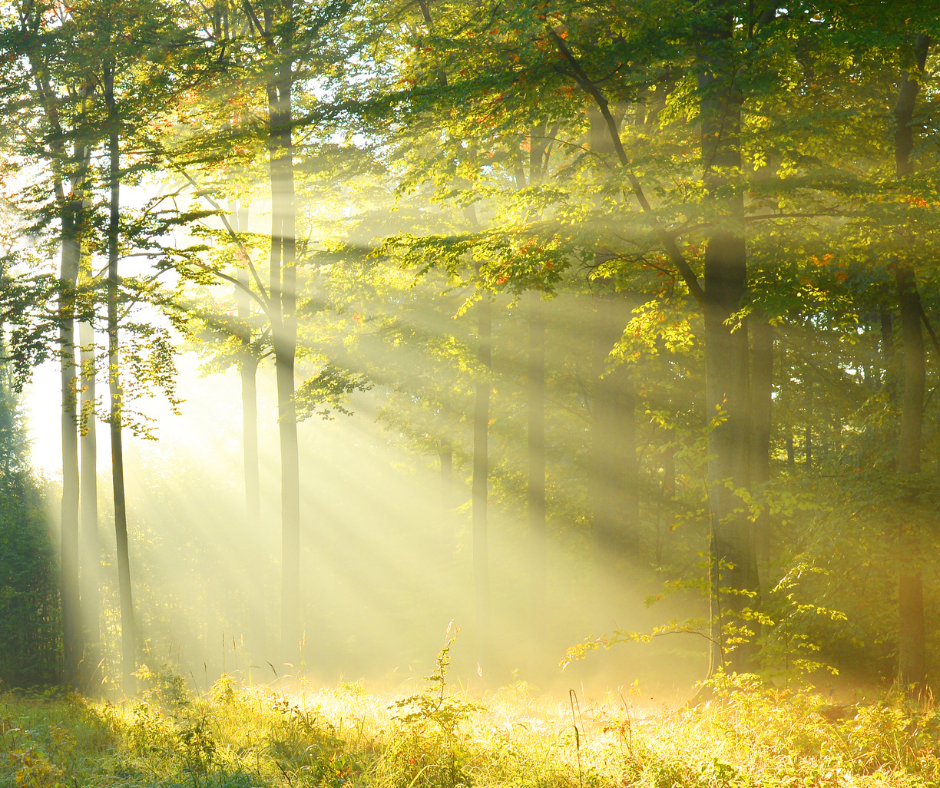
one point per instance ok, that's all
(912, 403)
(72, 636)
(912, 647)
(481, 417)
(536, 478)
(284, 320)
(887, 356)
(88, 497)
(128, 625)
(733, 562)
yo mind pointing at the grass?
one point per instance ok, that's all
(345, 738)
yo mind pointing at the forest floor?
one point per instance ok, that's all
(343, 737)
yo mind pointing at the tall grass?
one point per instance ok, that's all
(746, 735)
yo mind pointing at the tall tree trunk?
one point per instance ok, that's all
(733, 564)
(248, 372)
(446, 456)
(88, 497)
(284, 323)
(890, 381)
(667, 493)
(762, 385)
(72, 639)
(481, 417)
(128, 625)
(912, 649)
(249, 375)
(614, 483)
(535, 487)
(614, 494)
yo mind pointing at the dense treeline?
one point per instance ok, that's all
(29, 599)
(654, 278)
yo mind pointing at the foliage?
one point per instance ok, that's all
(429, 749)
(342, 738)
(29, 596)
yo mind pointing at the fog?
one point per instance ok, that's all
(385, 564)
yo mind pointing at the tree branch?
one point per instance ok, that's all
(263, 300)
(933, 336)
(667, 240)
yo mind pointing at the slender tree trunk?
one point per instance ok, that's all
(248, 372)
(128, 625)
(446, 455)
(614, 483)
(733, 564)
(667, 493)
(890, 381)
(536, 480)
(481, 417)
(88, 497)
(912, 648)
(249, 375)
(615, 498)
(284, 325)
(72, 639)
(762, 379)
(535, 486)
(669, 473)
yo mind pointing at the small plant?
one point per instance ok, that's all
(434, 704)
(164, 688)
(197, 749)
(430, 751)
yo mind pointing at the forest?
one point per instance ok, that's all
(432, 394)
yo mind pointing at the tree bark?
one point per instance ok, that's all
(446, 456)
(887, 356)
(481, 417)
(733, 563)
(284, 319)
(762, 386)
(248, 372)
(614, 470)
(912, 647)
(128, 624)
(88, 498)
(615, 487)
(535, 487)
(72, 636)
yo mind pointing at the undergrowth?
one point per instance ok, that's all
(746, 735)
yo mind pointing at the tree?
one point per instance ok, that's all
(912, 666)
